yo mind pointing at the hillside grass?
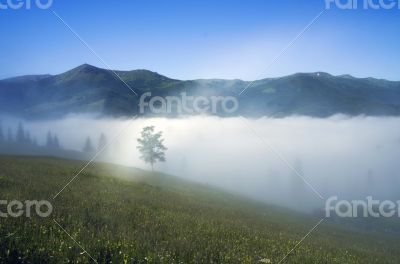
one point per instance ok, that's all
(124, 215)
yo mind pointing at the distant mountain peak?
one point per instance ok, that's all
(86, 67)
(313, 74)
(82, 71)
(347, 76)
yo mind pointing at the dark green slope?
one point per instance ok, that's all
(80, 90)
(124, 215)
(321, 94)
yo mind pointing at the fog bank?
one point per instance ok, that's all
(346, 157)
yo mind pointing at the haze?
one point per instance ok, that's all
(342, 156)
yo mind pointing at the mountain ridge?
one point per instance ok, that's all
(87, 89)
(89, 66)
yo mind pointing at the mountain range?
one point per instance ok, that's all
(88, 89)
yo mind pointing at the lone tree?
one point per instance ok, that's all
(21, 134)
(52, 141)
(102, 142)
(151, 146)
(88, 148)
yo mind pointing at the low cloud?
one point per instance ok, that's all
(338, 156)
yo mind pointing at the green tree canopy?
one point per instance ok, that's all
(151, 146)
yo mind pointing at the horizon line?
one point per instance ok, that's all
(200, 79)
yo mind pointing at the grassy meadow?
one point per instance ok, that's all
(123, 215)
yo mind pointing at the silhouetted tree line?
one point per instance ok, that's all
(21, 136)
(90, 149)
(21, 141)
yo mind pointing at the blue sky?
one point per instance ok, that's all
(201, 39)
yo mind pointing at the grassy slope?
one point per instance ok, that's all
(141, 217)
